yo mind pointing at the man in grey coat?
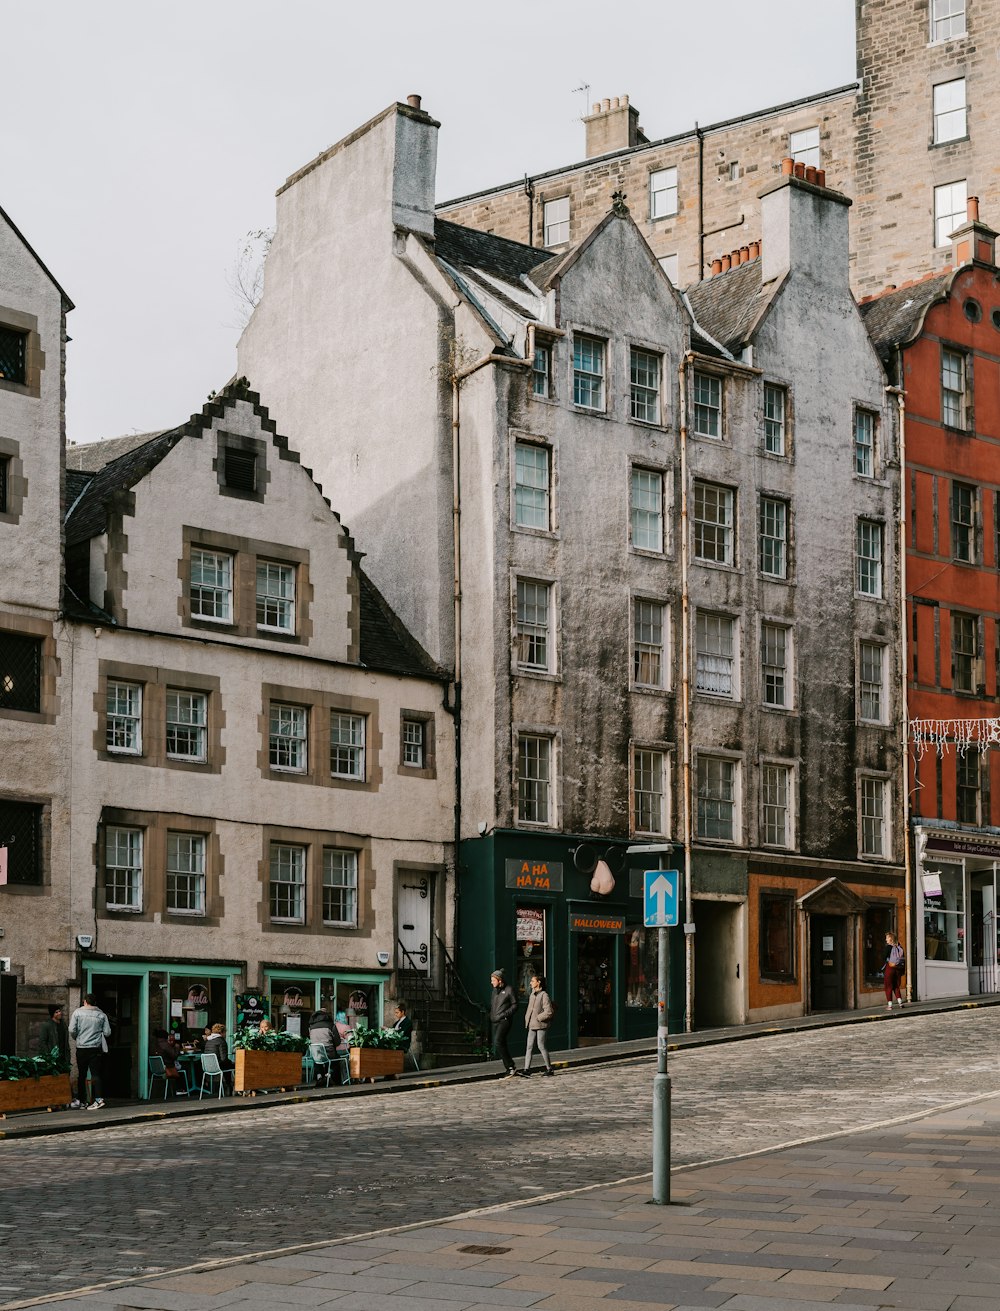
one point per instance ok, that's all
(90, 1029)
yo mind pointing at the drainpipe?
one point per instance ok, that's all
(529, 191)
(682, 371)
(701, 200)
(900, 396)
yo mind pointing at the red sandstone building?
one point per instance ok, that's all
(940, 341)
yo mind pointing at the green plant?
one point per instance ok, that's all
(250, 1038)
(13, 1068)
(479, 1043)
(386, 1039)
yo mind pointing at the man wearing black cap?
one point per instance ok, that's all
(503, 1004)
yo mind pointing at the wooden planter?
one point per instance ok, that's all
(33, 1094)
(257, 1070)
(375, 1063)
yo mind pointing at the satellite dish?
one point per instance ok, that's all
(584, 857)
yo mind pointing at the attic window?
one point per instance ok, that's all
(240, 470)
(13, 355)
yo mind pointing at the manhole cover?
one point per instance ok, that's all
(484, 1249)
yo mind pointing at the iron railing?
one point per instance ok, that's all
(472, 1013)
(424, 1008)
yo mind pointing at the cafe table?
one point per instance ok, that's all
(189, 1064)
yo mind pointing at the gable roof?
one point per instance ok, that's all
(386, 644)
(87, 512)
(730, 305)
(67, 303)
(896, 317)
(95, 455)
(468, 248)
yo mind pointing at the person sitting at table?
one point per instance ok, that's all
(265, 1026)
(215, 1045)
(343, 1029)
(321, 1029)
(167, 1048)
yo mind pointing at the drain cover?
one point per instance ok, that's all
(484, 1249)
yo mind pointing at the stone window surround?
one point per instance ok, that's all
(155, 825)
(791, 811)
(665, 685)
(315, 841)
(48, 701)
(644, 464)
(42, 887)
(318, 707)
(783, 385)
(663, 397)
(736, 760)
(155, 682)
(788, 577)
(251, 445)
(17, 484)
(709, 369)
(602, 337)
(968, 386)
(34, 361)
(883, 777)
(550, 444)
(246, 551)
(554, 736)
(553, 674)
(665, 750)
(429, 768)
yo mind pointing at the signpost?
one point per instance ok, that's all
(661, 910)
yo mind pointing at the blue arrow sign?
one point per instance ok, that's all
(661, 898)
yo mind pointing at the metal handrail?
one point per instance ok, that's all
(473, 1013)
(423, 989)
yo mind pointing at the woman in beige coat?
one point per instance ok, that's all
(537, 1019)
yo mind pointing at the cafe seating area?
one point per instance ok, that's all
(199, 1073)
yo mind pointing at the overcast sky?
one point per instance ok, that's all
(144, 140)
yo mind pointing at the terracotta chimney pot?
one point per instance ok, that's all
(716, 267)
(787, 166)
(821, 177)
(614, 103)
(726, 263)
(413, 102)
(744, 254)
(811, 173)
(972, 209)
(606, 104)
(754, 249)
(597, 107)
(800, 171)
(624, 102)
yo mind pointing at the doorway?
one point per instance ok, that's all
(595, 975)
(118, 996)
(718, 964)
(414, 916)
(827, 975)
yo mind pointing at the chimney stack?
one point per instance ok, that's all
(804, 227)
(414, 165)
(612, 125)
(973, 242)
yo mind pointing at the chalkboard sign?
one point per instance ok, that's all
(251, 1008)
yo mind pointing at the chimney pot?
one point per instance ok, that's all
(413, 102)
(811, 173)
(726, 262)
(787, 166)
(821, 177)
(716, 267)
(972, 209)
(754, 249)
(606, 104)
(744, 254)
(800, 171)
(614, 103)
(597, 107)
(624, 102)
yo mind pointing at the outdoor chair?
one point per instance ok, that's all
(322, 1063)
(211, 1070)
(158, 1070)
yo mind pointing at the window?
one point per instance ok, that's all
(13, 355)
(288, 744)
(773, 537)
(644, 369)
(288, 884)
(588, 373)
(531, 485)
(707, 405)
(555, 221)
(414, 743)
(4, 482)
(715, 647)
(647, 510)
(541, 371)
(874, 793)
(340, 887)
(347, 745)
(20, 672)
(869, 558)
(669, 265)
(187, 725)
(716, 798)
(713, 523)
(534, 774)
(880, 919)
(949, 210)
(647, 791)
(803, 146)
(968, 783)
(775, 787)
(947, 19)
(533, 638)
(864, 443)
(952, 388)
(22, 822)
(123, 868)
(647, 643)
(944, 916)
(774, 419)
(777, 934)
(775, 642)
(871, 682)
(734, 170)
(949, 111)
(239, 469)
(211, 585)
(663, 193)
(275, 596)
(124, 720)
(963, 522)
(186, 873)
(964, 652)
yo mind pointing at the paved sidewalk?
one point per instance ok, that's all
(906, 1215)
(43, 1123)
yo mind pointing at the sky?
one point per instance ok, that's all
(146, 139)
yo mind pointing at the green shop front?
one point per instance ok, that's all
(526, 906)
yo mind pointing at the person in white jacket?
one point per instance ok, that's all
(537, 1019)
(90, 1029)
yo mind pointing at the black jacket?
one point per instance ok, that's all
(503, 1003)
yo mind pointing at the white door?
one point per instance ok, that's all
(413, 911)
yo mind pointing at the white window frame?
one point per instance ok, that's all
(718, 783)
(869, 558)
(670, 264)
(663, 193)
(950, 111)
(777, 796)
(649, 643)
(288, 738)
(954, 388)
(287, 870)
(124, 718)
(707, 397)
(964, 530)
(948, 19)
(347, 752)
(535, 792)
(532, 498)
(714, 537)
(541, 371)
(186, 862)
(212, 597)
(590, 357)
(650, 782)
(803, 146)
(775, 418)
(776, 674)
(555, 221)
(340, 878)
(872, 685)
(645, 369)
(646, 488)
(275, 597)
(716, 655)
(414, 743)
(534, 609)
(186, 719)
(865, 434)
(773, 525)
(874, 817)
(950, 210)
(124, 875)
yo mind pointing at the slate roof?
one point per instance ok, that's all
(95, 455)
(467, 248)
(88, 517)
(729, 305)
(385, 643)
(896, 317)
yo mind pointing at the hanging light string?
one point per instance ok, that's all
(936, 734)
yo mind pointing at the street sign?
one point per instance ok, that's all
(661, 898)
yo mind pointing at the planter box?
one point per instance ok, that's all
(32, 1094)
(375, 1063)
(256, 1070)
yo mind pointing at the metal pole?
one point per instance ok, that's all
(661, 1083)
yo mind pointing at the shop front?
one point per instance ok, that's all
(356, 998)
(958, 892)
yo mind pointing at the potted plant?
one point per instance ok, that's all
(27, 1083)
(376, 1053)
(271, 1059)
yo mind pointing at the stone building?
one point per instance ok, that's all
(940, 338)
(642, 539)
(908, 140)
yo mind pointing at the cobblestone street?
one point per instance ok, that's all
(128, 1201)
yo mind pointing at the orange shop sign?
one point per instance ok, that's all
(534, 875)
(582, 921)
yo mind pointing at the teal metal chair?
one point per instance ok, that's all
(210, 1071)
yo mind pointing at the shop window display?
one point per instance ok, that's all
(530, 933)
(944, 915)
(195, 1004)
(641, 980)
(595, 982)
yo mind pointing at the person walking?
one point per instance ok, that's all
(503, 1004)
(893, 970)
(537, 1019)
(53, 1036)
(90, 1029)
